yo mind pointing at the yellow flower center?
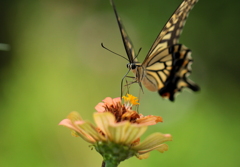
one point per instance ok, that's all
(130, 100)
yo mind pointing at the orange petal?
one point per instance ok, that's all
(149, 120)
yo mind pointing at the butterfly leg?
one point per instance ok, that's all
(139, 93)
(127, 85)
(122, 82)
(139, 83)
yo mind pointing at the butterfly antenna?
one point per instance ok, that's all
(138, 53)
(113, 52)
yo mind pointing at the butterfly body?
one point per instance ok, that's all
(168, 64)
(138, 70)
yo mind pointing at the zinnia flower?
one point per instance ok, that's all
(118, 129)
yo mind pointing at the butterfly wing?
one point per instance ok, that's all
(168, 63)
(171, 32)
(126, 40)
(181, 69)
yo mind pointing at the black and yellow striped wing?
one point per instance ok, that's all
(126, 40)
(181, 69)
(168, 71)
(168, 64)
(171, 32)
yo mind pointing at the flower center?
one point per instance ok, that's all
(130, 100)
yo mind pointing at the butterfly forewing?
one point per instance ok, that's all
(170, 33)
(126, 40)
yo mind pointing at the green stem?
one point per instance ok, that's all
(109, 164)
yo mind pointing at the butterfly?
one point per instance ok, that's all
(168, 64)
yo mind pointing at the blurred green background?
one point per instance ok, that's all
(56, 65)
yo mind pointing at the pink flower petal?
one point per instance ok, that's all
(68, 123)
(108, 100)
(116, 100)
(100, 107)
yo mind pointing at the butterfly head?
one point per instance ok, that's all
(131, 66)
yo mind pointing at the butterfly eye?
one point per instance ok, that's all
(133, 66)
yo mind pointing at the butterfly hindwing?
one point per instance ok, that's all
(181, 69)
(167, 71)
